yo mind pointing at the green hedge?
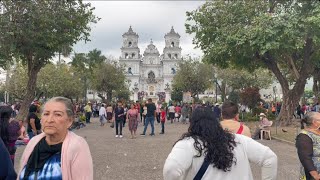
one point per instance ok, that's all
(248, 116)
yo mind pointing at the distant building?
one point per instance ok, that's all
(150, 74)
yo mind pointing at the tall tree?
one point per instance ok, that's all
(84, 65)
(59, 80)
(17, 82)
(250, 97)
(109, 78)
(193, 76)
(278, 35)
(239, 79)
(33, 31)
(53, 80)
(177, 95)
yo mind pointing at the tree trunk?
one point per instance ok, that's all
(85, 89)
(109, 96)
(292, 96)
(316, 84)
(289, 104)
(223, 90)
(31, 88)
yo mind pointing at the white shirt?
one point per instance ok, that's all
(182, 164)
(171, 109)
(102, 111)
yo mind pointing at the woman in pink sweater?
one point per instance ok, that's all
(57, 153)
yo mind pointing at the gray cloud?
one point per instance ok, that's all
(150, 19)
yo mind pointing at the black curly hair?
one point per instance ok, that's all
(210, 139)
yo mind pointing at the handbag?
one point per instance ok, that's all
(202, 170)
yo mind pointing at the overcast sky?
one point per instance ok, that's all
(150, 19)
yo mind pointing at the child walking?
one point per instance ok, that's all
(163, 119)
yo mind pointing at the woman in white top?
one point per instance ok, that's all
(220, 154)
(172, 111)
(102, 115)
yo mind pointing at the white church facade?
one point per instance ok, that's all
(150, 75)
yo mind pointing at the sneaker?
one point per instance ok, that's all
(152, 134)
(117, 136)
(142, 134)
(121, 136)
(161, 133)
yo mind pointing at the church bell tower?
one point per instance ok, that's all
(130, 49)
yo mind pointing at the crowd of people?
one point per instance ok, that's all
(216, 145)
(119, 114)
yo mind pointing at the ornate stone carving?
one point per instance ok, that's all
(151, 78)
(135, 85)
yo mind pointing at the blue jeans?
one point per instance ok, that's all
(151, 120)
(162, 127)
(88, 116)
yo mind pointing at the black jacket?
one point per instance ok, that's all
(119, 111)
(6, 167)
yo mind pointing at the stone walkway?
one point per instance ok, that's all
(143, 158)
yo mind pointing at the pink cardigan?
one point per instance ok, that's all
(76, 160)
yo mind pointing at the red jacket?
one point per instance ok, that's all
(163, 116)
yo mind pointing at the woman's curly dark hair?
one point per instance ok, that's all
(5, 114)
(210, 139)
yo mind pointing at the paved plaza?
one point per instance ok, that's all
(143, 158)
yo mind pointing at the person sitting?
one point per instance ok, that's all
(23, 138)
(263, 124)
(206, 151)
(230, 118)
(57, 153)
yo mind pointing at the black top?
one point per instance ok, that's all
(304, 146)
(40, 154)
(37, 122)
(118, 111)
(150, 109)
(6, 168)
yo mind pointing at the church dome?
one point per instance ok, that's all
(130, 32)
(151, 49)
(172, 33)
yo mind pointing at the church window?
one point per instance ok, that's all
(173, 71)
(130, 44)
(176, 56)
(130, 70)
(126, 55)
(133, 55)
(169, 55)
(151, 77)
(172, 44)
